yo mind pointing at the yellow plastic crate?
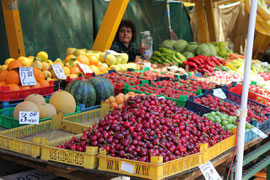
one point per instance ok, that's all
(217, 149)
(12, 139)
(153, 170)
(88, 116)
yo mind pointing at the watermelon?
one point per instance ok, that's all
(83, 92)
(104, 88)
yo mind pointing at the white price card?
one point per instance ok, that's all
(59, 72)
(161, 97)
(127, 167)
(27, 76)
(28, 117)
(259, 132)
(86, 69)
(209, 172)
(219, 93)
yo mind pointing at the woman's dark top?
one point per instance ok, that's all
(131, 51)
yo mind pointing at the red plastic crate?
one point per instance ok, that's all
(87, 76)
(6, 95)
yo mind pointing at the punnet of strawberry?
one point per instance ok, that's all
(164, 91)
(147, 126)
(148, 75)
(254, 111)
(121, 79)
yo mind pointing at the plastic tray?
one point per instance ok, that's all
(6, 95)
(7, 120)
(12, 139)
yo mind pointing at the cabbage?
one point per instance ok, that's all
(203, 49)
(180, 45)
(212, 49)
(188, 54)
(191, 48)
(168, 43)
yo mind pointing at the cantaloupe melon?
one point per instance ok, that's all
(46, 110)
(35, 98)
(63, 102)
(24, 106)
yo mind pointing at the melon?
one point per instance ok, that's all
(83, 92)
(24, 106)
(35, 98)
(104, 88)
(63, 102)
(46, 110)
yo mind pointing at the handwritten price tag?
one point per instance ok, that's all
(28, 117)
(27, 76)
(59, 72)
(259, 132)
(219, 93)
(85, 68)
(161, 97)
(209, 172)
(127, 167)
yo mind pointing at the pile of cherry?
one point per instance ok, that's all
(147, 126)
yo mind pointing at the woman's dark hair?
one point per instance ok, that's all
(128, 24)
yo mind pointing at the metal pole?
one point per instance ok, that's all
(244, 98)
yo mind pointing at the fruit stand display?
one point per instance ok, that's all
(133, 119)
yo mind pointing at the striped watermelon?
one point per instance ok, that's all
(83, 92)
(104, 88)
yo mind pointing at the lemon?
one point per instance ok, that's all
(37, 64)
(50, 62)
(66, 70)
(47, 74)
(8, 61)
(45, 66)
(42, 55)
(25, 61)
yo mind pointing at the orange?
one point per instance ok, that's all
(36, 86)
(24, 87)
(3, 83)
(75, 70)
(38, 74)
(93, 60)
(83, 59)
(102, 68)
(13, 77)
(14, 64)
(44, 83)
(41, 76)
(69, 57)
(13, 87)
(3, 75)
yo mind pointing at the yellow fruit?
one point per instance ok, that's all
(46, 110)
(79, 52)
(24, 106)
(50, 62)
(63, 102)
(42, 55)
(3, 67)
(70, 51)
(58, 62)
(45, 66)
(73, 76)
(25, 61)
(47, 74)
(35, 98)
(37, 64)
(8, 61)
(110, 59)
(49, 79)
(31, 57)
(66, 70)
(101, 57)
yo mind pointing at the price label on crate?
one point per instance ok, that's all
(28, 117)
(259, 132)
(27, 76)
(161, 97)
(127, 167)
(209, 172)
(219, 93)
(59, 72)
(85, 68)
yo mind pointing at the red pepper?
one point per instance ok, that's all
(192, 65)
(205, 71)
(209, 62)
(196, 61)
(214, 59)
(209, 68)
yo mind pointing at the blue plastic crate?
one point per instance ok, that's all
(83, 108)
(250, 135)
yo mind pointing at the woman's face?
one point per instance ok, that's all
(125, 34)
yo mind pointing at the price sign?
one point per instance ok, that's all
(85, 68)
(219, 93)
(127, 167)
(259, 132)
(161, 97)
(27, 76)
(28, 117)
(209, 172)
(59, 72)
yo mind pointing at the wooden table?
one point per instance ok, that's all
(73, 172)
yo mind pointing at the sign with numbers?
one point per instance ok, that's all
(127, 167)
(219, 93)
(59, 72)
(27, 76)
(259, 132)
(28, 117)
(209, 172)
(85, 68)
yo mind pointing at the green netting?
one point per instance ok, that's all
(180, 21)
(55, 25)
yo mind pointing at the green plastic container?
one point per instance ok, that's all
(7, 120)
